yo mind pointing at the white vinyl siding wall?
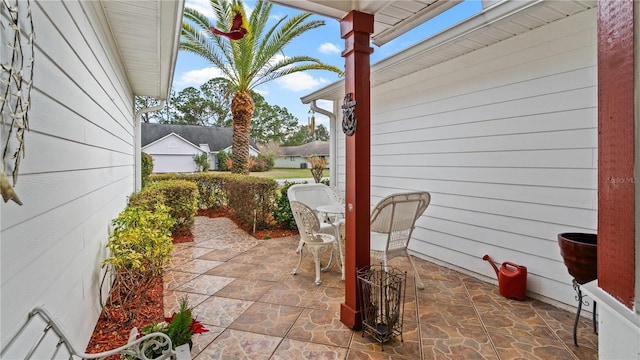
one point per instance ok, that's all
(76, 175)
(505, 139)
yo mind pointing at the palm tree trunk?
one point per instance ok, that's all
(242, 111)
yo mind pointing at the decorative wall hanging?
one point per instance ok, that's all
(349, 122)
(16, 81)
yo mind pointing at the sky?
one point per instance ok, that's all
(323, 43)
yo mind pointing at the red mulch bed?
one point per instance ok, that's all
(113, 331)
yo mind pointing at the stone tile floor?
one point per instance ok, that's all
(242, 290)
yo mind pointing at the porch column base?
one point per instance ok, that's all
(351, 317)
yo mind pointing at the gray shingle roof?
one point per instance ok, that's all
(218, 138)
(320, 148)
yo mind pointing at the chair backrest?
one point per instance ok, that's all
(396, 215)
(306, 220)
(312, 195)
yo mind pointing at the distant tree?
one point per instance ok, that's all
(151, 116)
(270, 123)
(322, 134)
(219, 92)
(303, 135)
(253, 60)
(192, 109)
(298, 137)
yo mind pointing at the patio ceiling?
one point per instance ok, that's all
(146, 33)
(498, 22)
(392, 17)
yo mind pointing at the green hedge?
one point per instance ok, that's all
(180, 196)
(282, 211)
(251, 198)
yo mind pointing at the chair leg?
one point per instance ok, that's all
(295, 270)
(339, 243)
(415, 272)
(316, 258)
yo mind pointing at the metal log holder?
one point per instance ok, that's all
(382, 302)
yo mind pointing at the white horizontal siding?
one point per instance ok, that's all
(505, 139)
(76, 175)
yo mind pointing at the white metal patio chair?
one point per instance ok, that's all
(392, 223)
(311, 237)
(313, 196)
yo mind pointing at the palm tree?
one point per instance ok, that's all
(249, 62)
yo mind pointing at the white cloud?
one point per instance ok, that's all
(198, 77)
(329, 48)
(202, 6)
(300, 81)
(261, 91)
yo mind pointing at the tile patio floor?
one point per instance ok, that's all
(242, 290)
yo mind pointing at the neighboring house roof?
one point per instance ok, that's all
(217, 138)
(495, 23)
(320, 148)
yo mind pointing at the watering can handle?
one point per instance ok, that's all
(512, 264)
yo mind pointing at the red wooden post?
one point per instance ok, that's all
(616, 149)
(356, 29)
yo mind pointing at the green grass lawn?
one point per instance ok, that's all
(282, 173)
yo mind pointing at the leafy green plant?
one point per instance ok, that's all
(262, 163)
(140, 248)
(146, 165)
(180, 328)
(180, 196)
(317, 167)
(282, 211)
(252, 200)
(222, 160)
(202, 162)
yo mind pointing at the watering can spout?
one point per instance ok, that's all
(493, 265)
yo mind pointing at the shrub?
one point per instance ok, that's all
(146, 165)
(282, 211)
(148, 198)
(317, 167)
(222, 161)
(202, 162)
(180, 196)
(212, 194)
(263, 163)
(252, 199)
(140, 248)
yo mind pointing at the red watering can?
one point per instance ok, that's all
(512, 279)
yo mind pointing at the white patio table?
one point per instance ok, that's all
(335, 212)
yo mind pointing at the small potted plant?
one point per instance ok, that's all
(180, 328)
